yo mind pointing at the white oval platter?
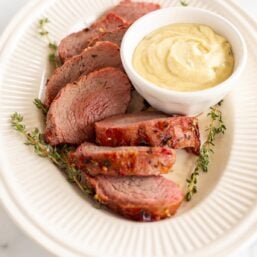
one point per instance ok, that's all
(221, 218)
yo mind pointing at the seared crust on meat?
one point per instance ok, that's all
(138, 198)
(149, 128)
(122, 161)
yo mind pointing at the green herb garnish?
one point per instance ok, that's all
(41, 27)
(215, 128)
(52, 46)
(184, 2)
(38, 103)
(58, 155)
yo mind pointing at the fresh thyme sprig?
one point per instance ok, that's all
(215, 128)
(52, 46)
(38, 103)
(184, 2)
(58, 155)
(41, 27)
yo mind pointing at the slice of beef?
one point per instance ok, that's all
(138, 198)
(123, 161)
(76, 42)
(149, 128)
(121, 15)
(114, 36)
(102, 54)
(131, 11)
(79, 105)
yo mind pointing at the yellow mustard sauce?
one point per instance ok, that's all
(184, 57)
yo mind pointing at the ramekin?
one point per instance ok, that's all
(171, 101)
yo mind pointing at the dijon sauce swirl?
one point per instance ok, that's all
(184, 57)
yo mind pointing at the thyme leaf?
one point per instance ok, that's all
(38, 103)
(58, 155)
(184, 3)
(52, 46)
(215, 128)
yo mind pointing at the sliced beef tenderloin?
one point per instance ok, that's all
(138, 198)
(114, 36)
(121, 15)
(123, 161)
(76, 42)
(131, 11)
(79, 105)
(102, 54)
(149, 128)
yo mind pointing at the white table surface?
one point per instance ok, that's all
(13, 241)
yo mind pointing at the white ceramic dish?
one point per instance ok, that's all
(170, 101)
(219, 220)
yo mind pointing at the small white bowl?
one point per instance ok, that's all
(170, 101)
